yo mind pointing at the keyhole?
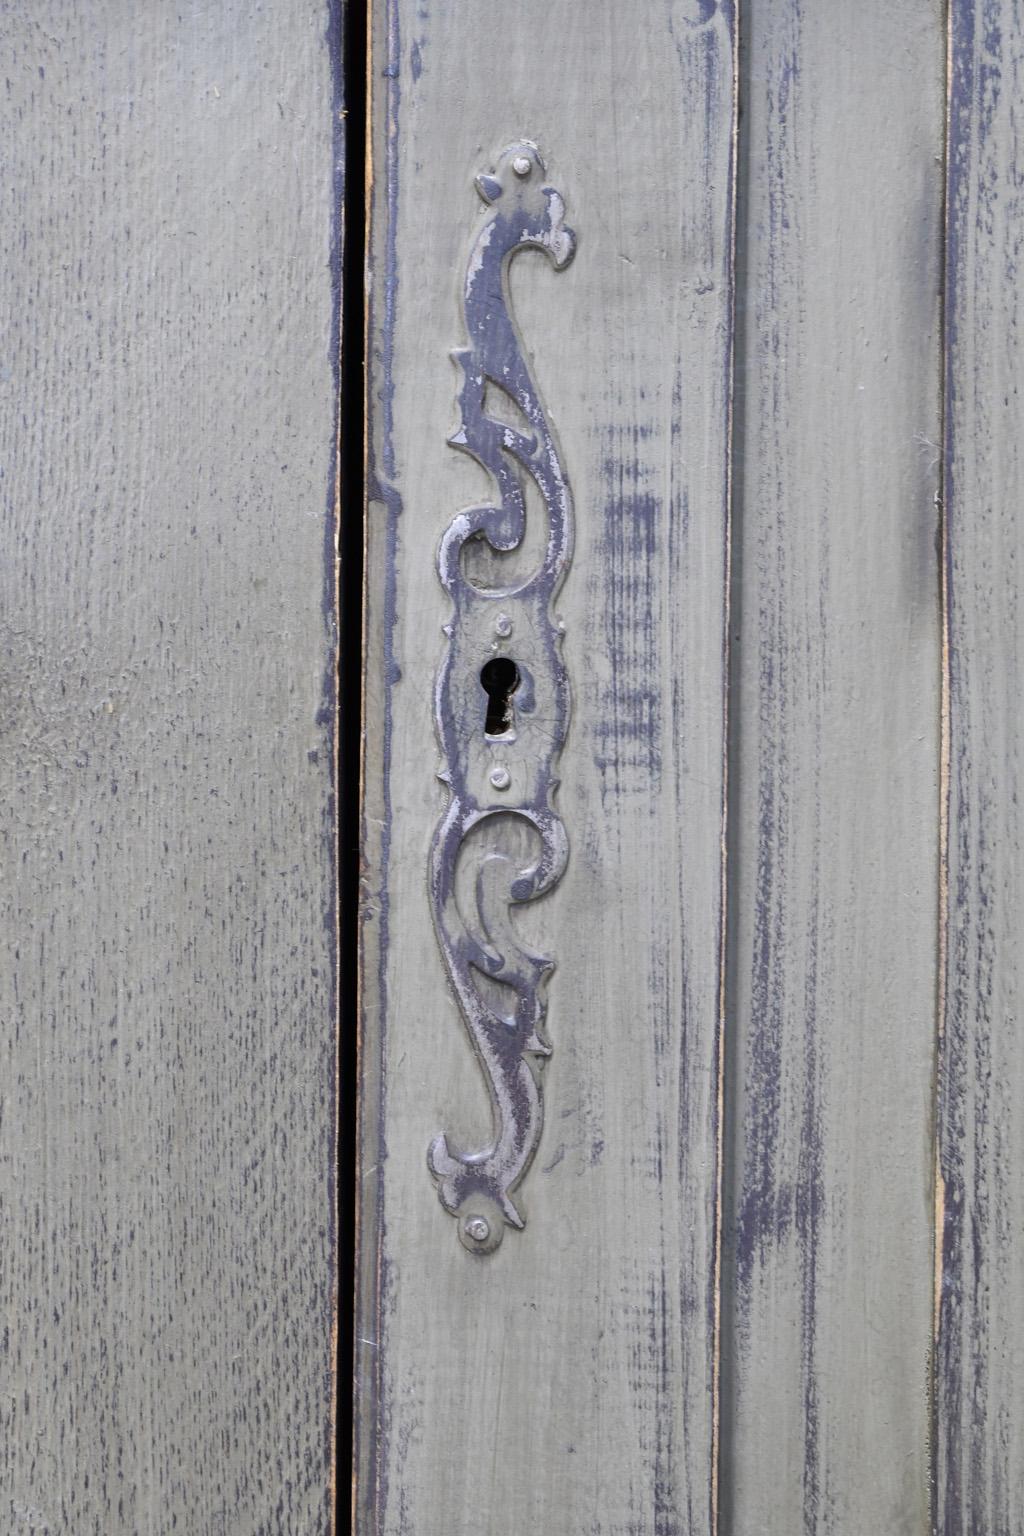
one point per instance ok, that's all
(499, 679)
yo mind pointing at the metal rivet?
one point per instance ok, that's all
(521, 165)
(478, 1228)
(503, 625)
(500, 777)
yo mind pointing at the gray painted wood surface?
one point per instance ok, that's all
(980, 1355)
(166, 825)
(834, 761)
(865, 1373)
(565, 1383)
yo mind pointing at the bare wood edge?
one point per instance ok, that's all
(335, 599)
(720, 1023)
(334, 596)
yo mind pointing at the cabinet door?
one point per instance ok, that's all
(167, 976)
(692, 1139)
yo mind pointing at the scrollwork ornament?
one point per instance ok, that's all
(501, 730)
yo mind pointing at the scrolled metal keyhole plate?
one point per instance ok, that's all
(495, 774)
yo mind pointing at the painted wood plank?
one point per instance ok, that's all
(167, 443)
(833, 771)
(980, 1205)
(566, 1382)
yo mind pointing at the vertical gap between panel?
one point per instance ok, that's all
(348, 32)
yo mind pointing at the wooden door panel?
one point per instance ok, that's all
(566, 1380)
(834, 769)
(167, 980)
(769, 1275)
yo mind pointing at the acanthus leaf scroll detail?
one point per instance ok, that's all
(502, 709)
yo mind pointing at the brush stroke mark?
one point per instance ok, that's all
(626, 590)
(508, 775)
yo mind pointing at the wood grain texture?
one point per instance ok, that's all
(834, 760)
(565, 1383)
(980, 1353)
(167, 950)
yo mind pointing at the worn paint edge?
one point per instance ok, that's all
(955, 1494)
(732, 14)
(949, 1507)
(362, 1233)
(369, 1484)
(945, 556)
(331, 603)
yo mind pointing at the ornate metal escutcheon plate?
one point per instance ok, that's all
(502, 707)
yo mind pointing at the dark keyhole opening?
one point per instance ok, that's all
(499, 678)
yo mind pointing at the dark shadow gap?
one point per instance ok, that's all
(347, 30)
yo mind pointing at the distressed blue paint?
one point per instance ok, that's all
(977, 1415)
(627, 721)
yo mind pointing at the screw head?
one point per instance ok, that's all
(500, 777)
(503, 626)
(521, 165)
(478, 1228)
